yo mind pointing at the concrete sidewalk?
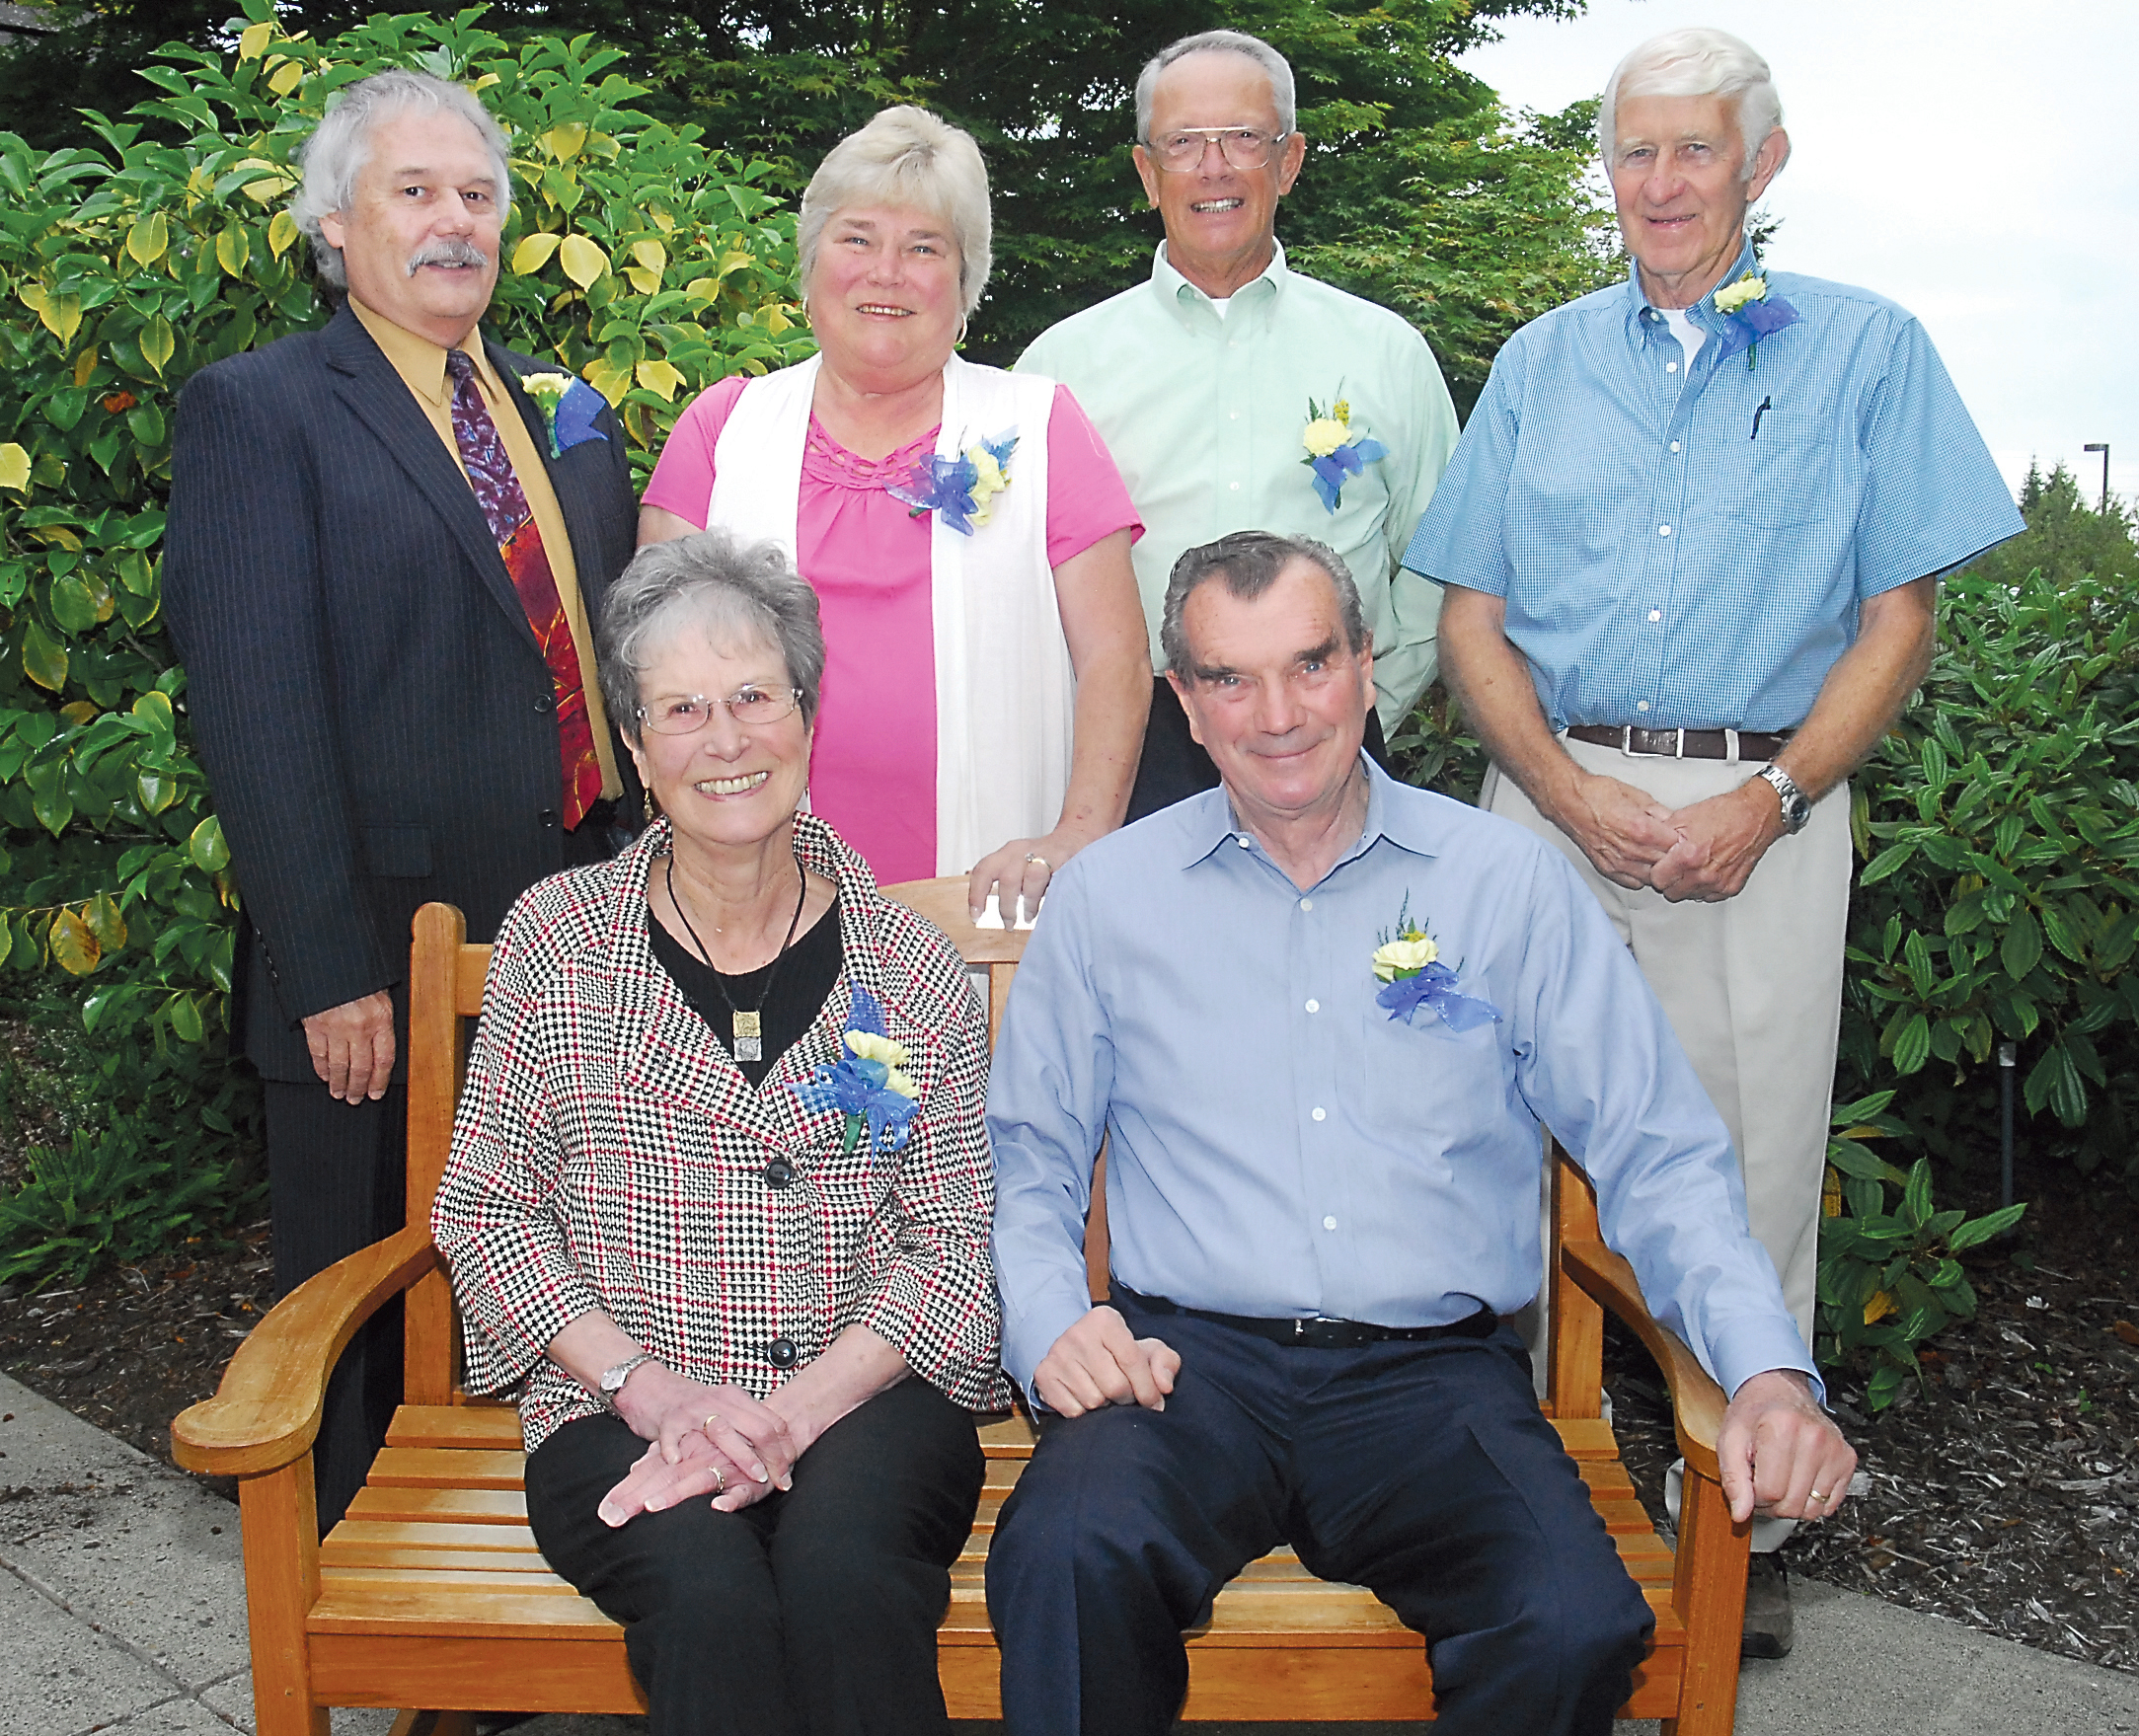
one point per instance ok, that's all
(122, 1607)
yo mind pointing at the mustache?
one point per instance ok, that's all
(448, 253)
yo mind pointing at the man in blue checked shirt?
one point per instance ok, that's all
(1690, 542)
(1321, 1196)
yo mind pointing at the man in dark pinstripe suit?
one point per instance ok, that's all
(382, 555)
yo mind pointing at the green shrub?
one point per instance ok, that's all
(636, 258)
(1889, 1279)
(2001, 823)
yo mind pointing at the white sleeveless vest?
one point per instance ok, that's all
(1004, 695)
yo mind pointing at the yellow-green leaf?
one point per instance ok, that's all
(80, 712)
(267, 188)
(281, 233)
(33, 297)
(148, 238)
(158, 345)
(734, 261)
(644, 281)
(207, 846)
(661, 377)
(534, 252)
(74, 946)
(72, 605)
(774, 318)
(584, 262)
(610, 381)
(483, 83)
(702, 289)
(232, 250)
(85, 364)
(44, 660)
(651, 254)
(153, 707)
(62, 316)
(106, 922)
(253, 41)
(286, 77)
(184, 1018)
(566, 141)
(14, 467)
(157, 790)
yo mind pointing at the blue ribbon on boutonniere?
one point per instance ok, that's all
(1750, 313)
(570, 407)
(866, 1082)
(1408, 967)
(958, 489)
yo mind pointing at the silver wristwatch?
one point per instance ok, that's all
(613, 1379)
(1797, 806)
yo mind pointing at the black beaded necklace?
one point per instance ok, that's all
(746, 1025)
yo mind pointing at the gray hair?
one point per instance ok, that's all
(1250, 562)
(337, 150)
(1695, 63)
(721, 585)
(1275, 64)
(906, 156)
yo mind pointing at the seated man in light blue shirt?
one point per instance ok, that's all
(1690, 538)
(1322, 1195)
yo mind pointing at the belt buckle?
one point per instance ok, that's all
(1626, 741)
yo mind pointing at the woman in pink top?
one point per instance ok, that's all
(964, 529)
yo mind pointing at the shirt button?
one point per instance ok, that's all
(1670, 367)
(1655, 614)
(1233, 416)
(1641, 706)
(1242, 840)
(780, 1353)
(1321, 1114)
(1314, 1006)
(1235, 486)
(1307, 904)
(1663, 530)
(1328, 1222)
(1674, 445)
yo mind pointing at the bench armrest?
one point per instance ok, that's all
(1697, 1402)
(266, 1410)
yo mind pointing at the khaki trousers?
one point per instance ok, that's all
(1752, 986)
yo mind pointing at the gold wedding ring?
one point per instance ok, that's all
(719, 1488)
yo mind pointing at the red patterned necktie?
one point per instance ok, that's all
(504, 505)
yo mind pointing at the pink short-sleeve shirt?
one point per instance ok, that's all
(873, 768)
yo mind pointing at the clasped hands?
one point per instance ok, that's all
(702, 1440)
(1705, 852)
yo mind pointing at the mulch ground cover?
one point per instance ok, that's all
(2001, 1493)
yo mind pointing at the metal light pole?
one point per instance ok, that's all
(2101, 446)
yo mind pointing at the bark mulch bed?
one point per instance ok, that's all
(2003, 1492)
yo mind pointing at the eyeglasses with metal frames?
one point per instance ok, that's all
(688, 714)
(1243, 147)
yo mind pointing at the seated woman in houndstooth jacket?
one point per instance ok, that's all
(718, 1202)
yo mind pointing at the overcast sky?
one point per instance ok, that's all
(1975, 160)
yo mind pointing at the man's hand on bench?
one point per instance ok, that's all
(1780, 1454)
(1096, 1363)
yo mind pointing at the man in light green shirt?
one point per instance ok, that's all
(1218, 383)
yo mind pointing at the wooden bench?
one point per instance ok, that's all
(430, 1593)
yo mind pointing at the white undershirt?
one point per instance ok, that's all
(1219, 304)
(1690, 335)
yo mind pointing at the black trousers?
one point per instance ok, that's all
(812, 1613)
(1423, 1471)
(1174, 767)
(335, 1184)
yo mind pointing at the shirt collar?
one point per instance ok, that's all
(1190, 305)
(1207, 824)
(1646, 322)
(420, 362)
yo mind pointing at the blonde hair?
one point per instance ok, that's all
(906, 156)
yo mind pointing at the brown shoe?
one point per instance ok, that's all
(1769, 1628)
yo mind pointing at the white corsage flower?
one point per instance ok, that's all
(1405, 954)
(1734, 296)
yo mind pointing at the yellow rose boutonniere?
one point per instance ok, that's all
(1409, 965)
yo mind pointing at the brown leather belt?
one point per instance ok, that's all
(1684, 744)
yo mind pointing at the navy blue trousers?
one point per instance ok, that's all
(1421, 1470)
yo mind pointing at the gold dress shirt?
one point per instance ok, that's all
(421, 363)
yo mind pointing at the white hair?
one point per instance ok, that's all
(337, 152)
(905, 156)
(1695, 63)
(1274, 65)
